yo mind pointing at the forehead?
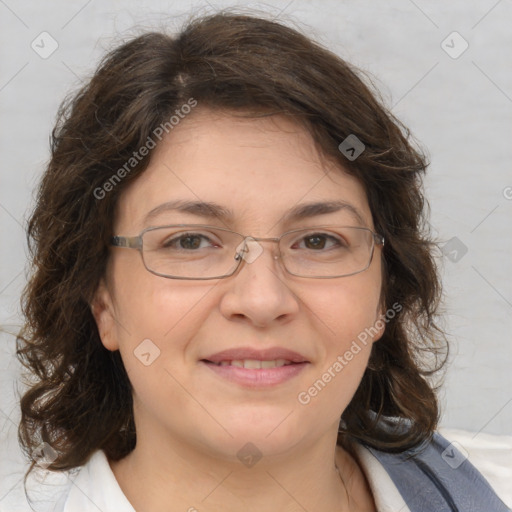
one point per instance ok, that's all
(257, 168)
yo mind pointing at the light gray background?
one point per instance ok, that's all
(459, 109)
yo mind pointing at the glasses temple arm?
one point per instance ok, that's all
(131, 242)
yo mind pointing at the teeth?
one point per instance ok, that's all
(255, 363)
(252, 363)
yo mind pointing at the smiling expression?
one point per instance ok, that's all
(235, 353)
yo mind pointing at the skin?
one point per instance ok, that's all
(190, 422)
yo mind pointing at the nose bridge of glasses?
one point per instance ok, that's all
(249, 249)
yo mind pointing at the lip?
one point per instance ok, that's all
(269, 354)
(256, 378)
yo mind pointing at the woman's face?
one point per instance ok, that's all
(258, 170)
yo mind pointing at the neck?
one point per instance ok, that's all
(191, 479)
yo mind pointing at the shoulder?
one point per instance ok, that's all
(437, 476)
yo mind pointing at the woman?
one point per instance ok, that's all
(233, 289)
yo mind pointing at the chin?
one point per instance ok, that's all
(271, 432)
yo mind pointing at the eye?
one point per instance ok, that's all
(320, 241)
(188, 242)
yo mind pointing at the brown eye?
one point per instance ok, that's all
(319, 241)
(315, 242)
(188, 242)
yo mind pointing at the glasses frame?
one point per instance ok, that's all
(136, 242)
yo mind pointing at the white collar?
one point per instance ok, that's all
(385, 493)
(96, 488)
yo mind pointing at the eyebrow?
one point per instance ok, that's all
(199, 208)
(213, 210)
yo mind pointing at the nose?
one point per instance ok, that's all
(259, 292)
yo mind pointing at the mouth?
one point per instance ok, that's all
(253, 364)
(255, 373)
(252, 356)
(256, 368)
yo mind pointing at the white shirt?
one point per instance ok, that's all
(94, 488)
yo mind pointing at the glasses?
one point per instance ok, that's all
(196, 251)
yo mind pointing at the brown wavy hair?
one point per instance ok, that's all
(79, 397)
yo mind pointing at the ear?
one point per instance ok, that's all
(102, 308)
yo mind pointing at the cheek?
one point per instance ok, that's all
(157, 319)
(345, 316)
(346, 308)
(159, 322)
(150, 306)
